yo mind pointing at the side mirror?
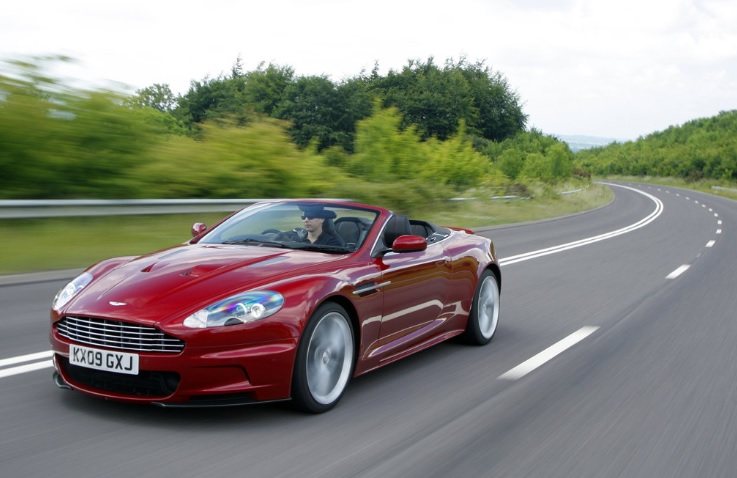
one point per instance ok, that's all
(409, 244)
(198, 228)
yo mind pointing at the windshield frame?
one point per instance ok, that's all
(280, 224)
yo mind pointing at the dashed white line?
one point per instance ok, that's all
(678, 272)
(548, 354)
(711, 243)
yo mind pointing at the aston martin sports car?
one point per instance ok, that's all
(285, 299)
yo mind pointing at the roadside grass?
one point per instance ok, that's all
(545, 203)
(33, 245)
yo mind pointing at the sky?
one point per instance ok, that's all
(617, 69)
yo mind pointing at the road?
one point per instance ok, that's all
(615, 357)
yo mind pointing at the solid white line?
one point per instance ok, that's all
(548, 354)
(26, 358)
(678, 272)
(590, 240)
(25, 368)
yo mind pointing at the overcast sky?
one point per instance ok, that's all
(610, 68)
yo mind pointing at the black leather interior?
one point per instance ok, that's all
(397, 226)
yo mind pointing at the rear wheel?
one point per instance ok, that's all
(484, 317)
(324, 363)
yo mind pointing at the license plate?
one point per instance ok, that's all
(119, 362)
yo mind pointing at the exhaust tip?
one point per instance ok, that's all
(60, 381)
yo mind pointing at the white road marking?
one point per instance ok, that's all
(29, 367)
(678, 272)
(25, 358)
(25, 368)
(548, 354)
(590, 240)
(711, 243)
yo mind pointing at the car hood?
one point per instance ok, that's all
(179, 281)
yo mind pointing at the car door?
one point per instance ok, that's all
(415, 288)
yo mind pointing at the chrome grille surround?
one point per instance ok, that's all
(114, 334)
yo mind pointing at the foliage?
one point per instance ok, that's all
(264, 88)
(254, 161)
(699, 149)
(213, 99)
(268, 133)
(158, 96)
(58, 142)
(436, 100)
(533, 156)
(388, 155)
(317, 111)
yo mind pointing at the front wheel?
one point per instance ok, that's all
(324, 363)
(484, 316)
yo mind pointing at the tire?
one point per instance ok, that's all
(325, 358)
(484, 317)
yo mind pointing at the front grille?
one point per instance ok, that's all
(118, 335)
(145, 384)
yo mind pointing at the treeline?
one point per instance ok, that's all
(432, 99)
(404, 139)
(704, 148)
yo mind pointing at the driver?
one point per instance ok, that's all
(319, 226)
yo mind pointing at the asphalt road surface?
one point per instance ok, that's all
(616, 356)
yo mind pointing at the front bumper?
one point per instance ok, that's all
(205, 376)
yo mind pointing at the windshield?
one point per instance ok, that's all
(313, 225)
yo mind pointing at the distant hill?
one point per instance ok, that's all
(704, 148)
(577, 142)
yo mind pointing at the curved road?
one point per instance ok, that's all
(616, 356)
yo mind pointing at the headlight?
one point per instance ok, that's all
(70, 290)
(238, 309)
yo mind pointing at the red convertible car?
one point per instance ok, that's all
(283, 299)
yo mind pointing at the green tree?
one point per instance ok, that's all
(384, 151)
(438, 99)
(157, 96)
(315, 108)
(264, 88)
(214, 99)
